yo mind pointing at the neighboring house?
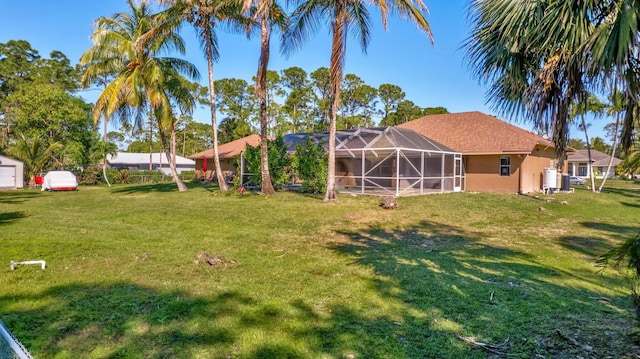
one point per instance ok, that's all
(227, 153)
(146, 161)
(579, 164)
(497, 156)
(11, 173)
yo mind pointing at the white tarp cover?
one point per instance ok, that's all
(59, 181)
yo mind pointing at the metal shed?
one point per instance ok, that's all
(11, 173)
(390, 161)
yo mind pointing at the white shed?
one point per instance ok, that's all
(11, 173)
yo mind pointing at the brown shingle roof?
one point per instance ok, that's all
(476, 132)
(230, 149)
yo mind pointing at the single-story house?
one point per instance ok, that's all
(385, 160)
(497, 156)
(579, 164)
(146, 161)
(226, 153)
(11, 173)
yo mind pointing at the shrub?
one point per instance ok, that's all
(279, 162)
(311, 166)
(124, 177)
(90, 176)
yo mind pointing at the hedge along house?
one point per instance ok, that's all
(389, 161)
(497, 156)
(11, 173)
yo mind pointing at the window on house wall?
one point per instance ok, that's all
(582, 169)
(505, 166)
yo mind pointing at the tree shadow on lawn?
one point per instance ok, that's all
(614, 230)
(631, 193)
(8, 217)
(429, 283)
(595, 246)
(454, 283)
(153, 187)
(18, 196)
(114, 321)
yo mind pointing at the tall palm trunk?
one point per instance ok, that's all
(613, 152)
(267, 186)
(150, 145)
(214, 123)
(339, 27)
(104, 153)
(590, 167)
(172, 163)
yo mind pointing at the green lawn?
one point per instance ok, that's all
(315, 280)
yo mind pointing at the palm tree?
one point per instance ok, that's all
(35, 153)
(533, 63)
(126, 48)
(616, 101)
(341, 14)
(204, 15)
(594, 105)
(537, 65)
(266, 13)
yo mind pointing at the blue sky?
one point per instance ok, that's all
(430, 75)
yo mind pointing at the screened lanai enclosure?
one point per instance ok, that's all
(390, 161)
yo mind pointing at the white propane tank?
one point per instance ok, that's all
(549, 178)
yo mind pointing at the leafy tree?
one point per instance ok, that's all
(127, 48)
(577, 144)
(47, 111)
(58, 70)
(390, 95)
(235, 99)
(16, 68)
(36, 154)
(299, 96)
(341, 15)
(143, 147)
(196, 137)
(405, 111)
(434, 110)
(232, 129)
(274, 90)
(310, 163)
(321, 84)
(358, 103)
(279, 162)
(21, 65)
(599, 144)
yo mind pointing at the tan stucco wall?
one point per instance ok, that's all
(482, 172)
(533, 169)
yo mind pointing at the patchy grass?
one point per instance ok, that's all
(315, 280)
